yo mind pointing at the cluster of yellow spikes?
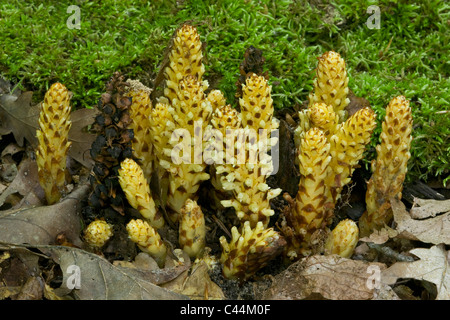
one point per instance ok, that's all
(189, 121)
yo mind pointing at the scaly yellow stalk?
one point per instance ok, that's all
(192, 229)
(250, 197)
(161, 128)
(137, 191)
(147, 239)
(245, 176)
(390, 167)
(257, 104)
(53, 142)
(186, 167)
(347, 148)
(185, 58)
(331, 83)
(343, 239)
(97, 233)
(224, 120)
(249, 250)
(312, 208)
(140, 111)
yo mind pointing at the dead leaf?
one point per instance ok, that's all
(145, 267)
(41, 225)
(331, 277)
(196, 284)
(432, 230)
(100, 280)
(26, 184)
(19, 117)
(380, 236)
(426, 208)
(81, 138)
(33, 289)
(433, 266)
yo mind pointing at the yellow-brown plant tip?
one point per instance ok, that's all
(53, 141)
(343, 239)
(390, 167)
(249, 250)
(331, 83)
(310, 211)
(347, 148)
(323, 117)
(257, 104)
(192, 229)
(137, 192)
(147, 239)
(185, 59)
(97, 233)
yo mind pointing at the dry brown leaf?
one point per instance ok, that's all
(380, 236)
(26, 184)
(432, 230)
(101, 280)
(433, 266)
(196, 284)
(426, 208)
(17, 116)
(82, 139)
(331, 277)
(145, 267)
(41, 224)
(33, 289)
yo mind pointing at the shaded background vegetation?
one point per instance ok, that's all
(408, 55)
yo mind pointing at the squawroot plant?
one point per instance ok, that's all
(390, 167)
(54, 144)
(330, 148)
(191, 137)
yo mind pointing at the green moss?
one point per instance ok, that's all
(408, 55)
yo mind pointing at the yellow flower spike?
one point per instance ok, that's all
(347, 148)
(343, 239)
(192, 229)
(331, 83)
(311, 208)
(257, 104)
(390, 167)
(192, 112)
(97, 233)
(185, 58)
(140, 111)
(147, 239)
(249, 250)
(53, 143)
(137, 191)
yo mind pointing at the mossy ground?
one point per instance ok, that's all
(407, 55)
